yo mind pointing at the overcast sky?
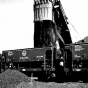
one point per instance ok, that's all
(16, 22)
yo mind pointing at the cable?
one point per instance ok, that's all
(75, 29)
(65, 17)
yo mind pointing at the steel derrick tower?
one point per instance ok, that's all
(50, 24)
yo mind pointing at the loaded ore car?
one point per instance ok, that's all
(39, 61)
(76, 60)
(80, 61)
(44, 63)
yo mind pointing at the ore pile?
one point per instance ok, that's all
(12, 77)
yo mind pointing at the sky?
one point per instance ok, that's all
(17, 22)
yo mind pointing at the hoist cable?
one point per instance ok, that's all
(75, 29)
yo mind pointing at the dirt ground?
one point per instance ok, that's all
(52, 85)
